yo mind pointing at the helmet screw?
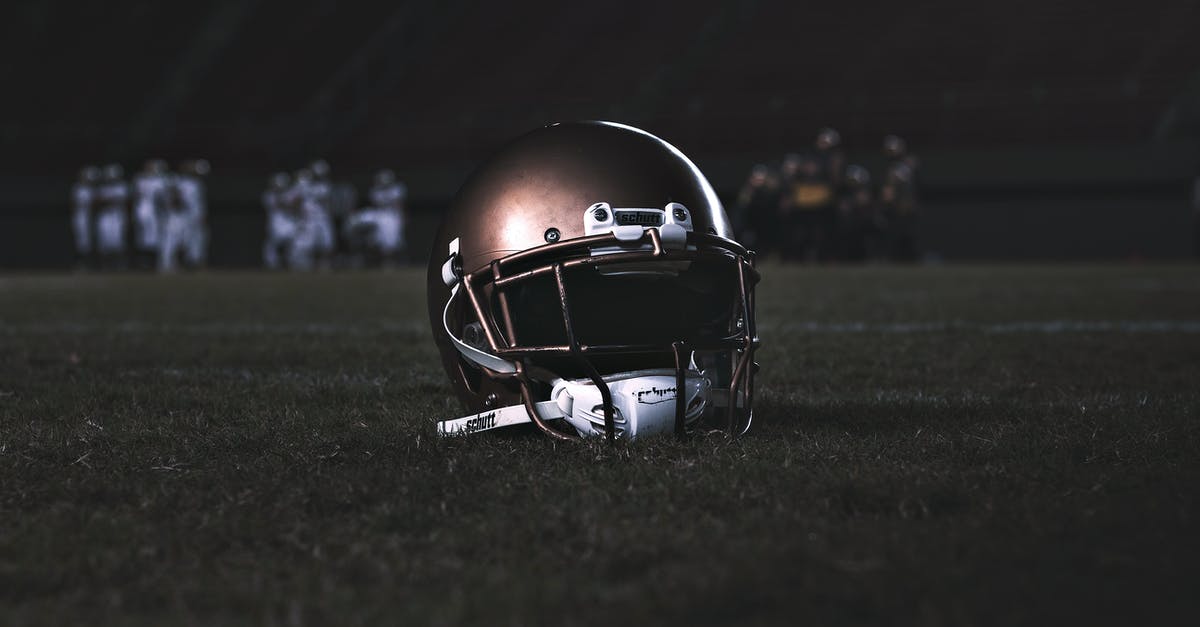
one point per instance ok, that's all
(680, 214)
(490, 400)
(552, 235)
(600, 214)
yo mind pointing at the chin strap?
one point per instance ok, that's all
(644, 403)
(496, 418)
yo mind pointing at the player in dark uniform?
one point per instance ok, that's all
(831, 163)
(856, 215)
(1196, 217)
(898, 199)
(755, 215)
(806, 208)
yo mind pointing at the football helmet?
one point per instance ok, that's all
(195, 167)
(586, 279)
(857, 176)
(828, 138)
(894, 147)
(385, 177)
(155, 167)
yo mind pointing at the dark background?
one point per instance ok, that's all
(1047, 130)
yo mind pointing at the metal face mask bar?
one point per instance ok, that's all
(606, 245)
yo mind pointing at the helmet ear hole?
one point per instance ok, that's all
(470, 376)
(599, 411)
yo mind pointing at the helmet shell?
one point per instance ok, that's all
(547, 179)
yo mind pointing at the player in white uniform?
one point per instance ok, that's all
(150, 186)
(83, 201)
(183, 222)
(317, 210)
(283, 223)
(111, 216)
(195, 201)
(174, 225)
(304, 239)
(380, 227)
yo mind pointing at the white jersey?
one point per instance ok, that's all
(322, 194)
(183, 228)
(281, 220)
(83, 196)
(389, 196)
(112, 196)
(151, 191)
(383, 228)
(317, 231)
(191, 194)
(112, 200)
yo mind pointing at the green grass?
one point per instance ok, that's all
(941, 446)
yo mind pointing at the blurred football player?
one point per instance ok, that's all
(380, 228)
(282, 222)
(830, 156)
(83, 203)
(112, 216)
(806, 206)
(175, 224)
(1196, 217)
(150, 187)
(831, 162)
(317, 202)
(894, 147)
(755, 213)
(897, 198)
(855, 215)
(297, 199)
(192, 193)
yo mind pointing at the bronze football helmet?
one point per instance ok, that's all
(586, 279)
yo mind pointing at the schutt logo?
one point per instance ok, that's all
(479, 423)
(655, 395)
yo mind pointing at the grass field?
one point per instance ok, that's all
(941, 446)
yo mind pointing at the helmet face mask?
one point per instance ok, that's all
(613, 309)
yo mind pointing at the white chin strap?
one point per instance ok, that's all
(643, 404)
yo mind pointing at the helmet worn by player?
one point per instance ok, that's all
(894, 147)
(586, 279)
(828, 138)
(857, 176)
(385, 177)
(195, 167)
